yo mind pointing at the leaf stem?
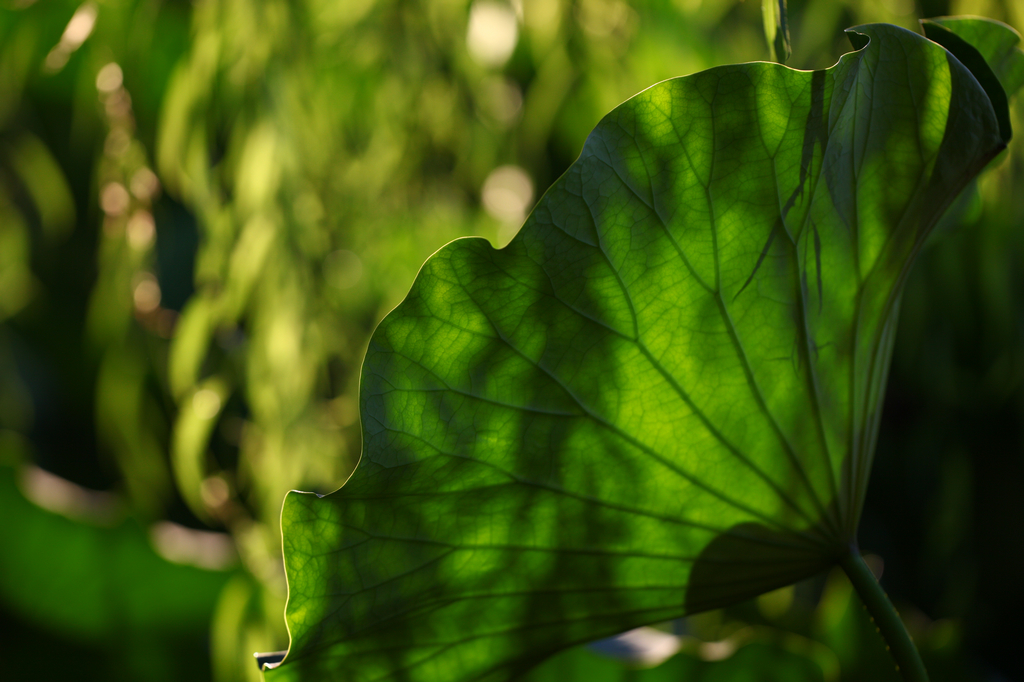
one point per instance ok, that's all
(885, 617)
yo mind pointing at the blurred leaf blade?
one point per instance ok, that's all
(95, 580)
(192, 432)
(45, 184)
(533, 416)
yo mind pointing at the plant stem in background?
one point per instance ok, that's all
(885, 617)
(776, 30)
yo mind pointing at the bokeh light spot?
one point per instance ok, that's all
(507, 195)
(206, 403)
(146, 294)
(141, 230)
(109, 78)
(114, 199)
(492, 32)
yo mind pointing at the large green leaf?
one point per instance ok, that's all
(662, 396)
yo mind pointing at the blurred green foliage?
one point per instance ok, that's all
(206, 207)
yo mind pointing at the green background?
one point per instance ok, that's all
(308, 157)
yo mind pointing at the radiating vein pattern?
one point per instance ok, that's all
(661, 396)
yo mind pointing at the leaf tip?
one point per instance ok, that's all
(857, 38)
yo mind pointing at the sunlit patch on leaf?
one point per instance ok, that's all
(662, 396)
